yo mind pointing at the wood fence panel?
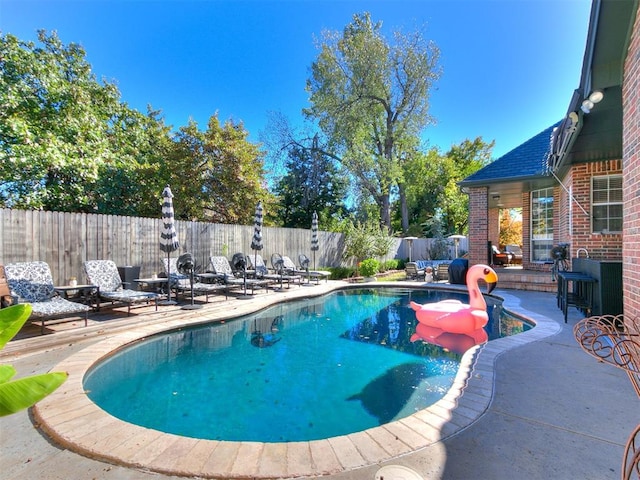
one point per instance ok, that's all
(66, 240)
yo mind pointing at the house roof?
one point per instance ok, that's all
(521, 170)
(526, 160)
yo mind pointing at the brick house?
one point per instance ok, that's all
(578, 181)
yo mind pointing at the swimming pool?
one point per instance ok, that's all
(316, 368)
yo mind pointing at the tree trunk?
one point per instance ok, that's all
(404, 209)
(385, 211)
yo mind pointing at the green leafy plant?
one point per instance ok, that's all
(369, 267)
(16, 395)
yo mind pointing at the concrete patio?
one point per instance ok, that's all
(536, 406)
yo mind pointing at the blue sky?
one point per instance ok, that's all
(509, 66)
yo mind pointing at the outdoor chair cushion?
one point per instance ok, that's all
(105, 275)
(30, 281)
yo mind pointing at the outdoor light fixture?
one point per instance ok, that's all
(496, 197)
(596, 96)
(587, 105)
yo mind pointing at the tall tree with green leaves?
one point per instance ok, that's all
(312, 183)
(54, 118)
(370, 98)
(67, 142)
(431, 184)
(218, 174)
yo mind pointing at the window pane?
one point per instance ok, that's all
(541, 224)
(615, 225)
(606, 205)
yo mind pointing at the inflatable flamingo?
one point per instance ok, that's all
(454, 342)
(454, 316)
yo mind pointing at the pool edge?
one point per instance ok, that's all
(66, 416)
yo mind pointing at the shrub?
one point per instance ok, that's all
(340, 273)
(393, 264)
(369, 267)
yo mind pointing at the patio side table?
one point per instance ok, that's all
(87, 294)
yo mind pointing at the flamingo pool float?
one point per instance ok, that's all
(454, 316)
(454, 342)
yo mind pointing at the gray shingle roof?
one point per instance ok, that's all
(526, 160)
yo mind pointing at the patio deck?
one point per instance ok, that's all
(536, 406)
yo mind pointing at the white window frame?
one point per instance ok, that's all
(606, 195)
(541, 223)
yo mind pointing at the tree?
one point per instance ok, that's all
(218, 173)
(511, 226)
(53, 124)
(131, 183)
(312, 183)
(370, 99)
(67, 142)
(431, 184)
(461, 161)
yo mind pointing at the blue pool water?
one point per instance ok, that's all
(299, 371)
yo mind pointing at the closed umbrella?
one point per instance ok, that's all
(256, 241)
(315, 246)
(168, 238)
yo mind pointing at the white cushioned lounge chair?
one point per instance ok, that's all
(221, 266)
(104, 274)
(32, 282)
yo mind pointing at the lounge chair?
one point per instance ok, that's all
(304, 262)
(257, 268)
(442, 272)
(413, 272)
(104, 274)
(221, 266)
(181, 283)
(32, 282)
(284, 266)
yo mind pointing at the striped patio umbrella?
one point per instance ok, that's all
(256, 241)
(314, 237)
(168, 238)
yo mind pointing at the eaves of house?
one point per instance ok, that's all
(589, 132)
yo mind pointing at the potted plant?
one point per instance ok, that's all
(369, 268)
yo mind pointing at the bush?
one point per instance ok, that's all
(369, 267)
(340, 273)
(393, 264)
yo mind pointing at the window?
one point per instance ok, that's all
(606, 204)
(541, 224)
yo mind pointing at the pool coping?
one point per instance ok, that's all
(72, 420)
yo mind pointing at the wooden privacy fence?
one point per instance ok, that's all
(66, 240)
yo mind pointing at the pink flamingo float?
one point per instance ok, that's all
(453, 316)
(454, 342)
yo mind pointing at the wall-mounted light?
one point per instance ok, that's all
(587, 105)
(496, 197)
(594, 97)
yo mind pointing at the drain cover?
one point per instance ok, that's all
(397, 472)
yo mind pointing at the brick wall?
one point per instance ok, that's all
(631, 183)
(478, 224)
(493, 215)
(600, 246)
